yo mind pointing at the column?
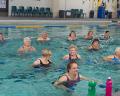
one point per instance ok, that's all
(55, 7)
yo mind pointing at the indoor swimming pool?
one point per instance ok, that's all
(18, 78)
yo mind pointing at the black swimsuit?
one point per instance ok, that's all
(42, 64)
(73, 58)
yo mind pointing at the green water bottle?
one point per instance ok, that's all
(91, 88)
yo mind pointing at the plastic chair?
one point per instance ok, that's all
(14, 11)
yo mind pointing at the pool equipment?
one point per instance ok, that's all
(108, 87)
(91, 88)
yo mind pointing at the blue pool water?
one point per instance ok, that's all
(18, 78)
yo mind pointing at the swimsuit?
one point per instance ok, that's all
(70, 83)
(42, 64)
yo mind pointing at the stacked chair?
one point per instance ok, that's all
(75, 13)
(31, 11)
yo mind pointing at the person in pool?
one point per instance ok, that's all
(73, 55)
(72, 36)
(68, 80)
(44, 61)
(89, 35)
(95, 45)
(115, 57)
(26, 46)
(43, 37)
(106, 35)
(1, 38)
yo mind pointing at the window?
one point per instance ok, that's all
(2, 4)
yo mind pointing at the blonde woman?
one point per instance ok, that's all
(43, 37)
(73, 55)
(43, 61)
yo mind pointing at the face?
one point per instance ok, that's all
(90, 34)
(45, 35)
(73, 35)
(96, 43)
(118, 53)
(74, 68)
(107, 34)
(73, 51)
(27, 43)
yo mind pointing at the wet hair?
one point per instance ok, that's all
(96, 39)
(72, 32)
(46, 51)
(107, 31)
(70, 65)
(73, 46)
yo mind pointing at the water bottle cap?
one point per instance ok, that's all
(109, 77)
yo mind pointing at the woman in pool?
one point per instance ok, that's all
(43, 37)
(95, 45)
(70, 78)
(1, 37)
(115, 57)
(89, 35)
(73, 55)
(44, 61)
(26, 46)
(72, 36)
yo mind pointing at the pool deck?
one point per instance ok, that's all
(37, 20)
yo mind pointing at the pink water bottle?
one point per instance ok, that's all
(109, 87)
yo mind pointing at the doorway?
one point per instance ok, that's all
(4, 7)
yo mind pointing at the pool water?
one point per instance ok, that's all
(18, 78)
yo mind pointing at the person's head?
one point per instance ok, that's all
(44, 35)
(46, 53)
(72, 34)
(27, 41)
(95, 42)
(107, 33)
(90, 33)
(72, 49)
(1, 37)
(117, 51)
(72, 67)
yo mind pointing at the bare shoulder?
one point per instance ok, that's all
(66, 57)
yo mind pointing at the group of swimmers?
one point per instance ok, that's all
(71, 77)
